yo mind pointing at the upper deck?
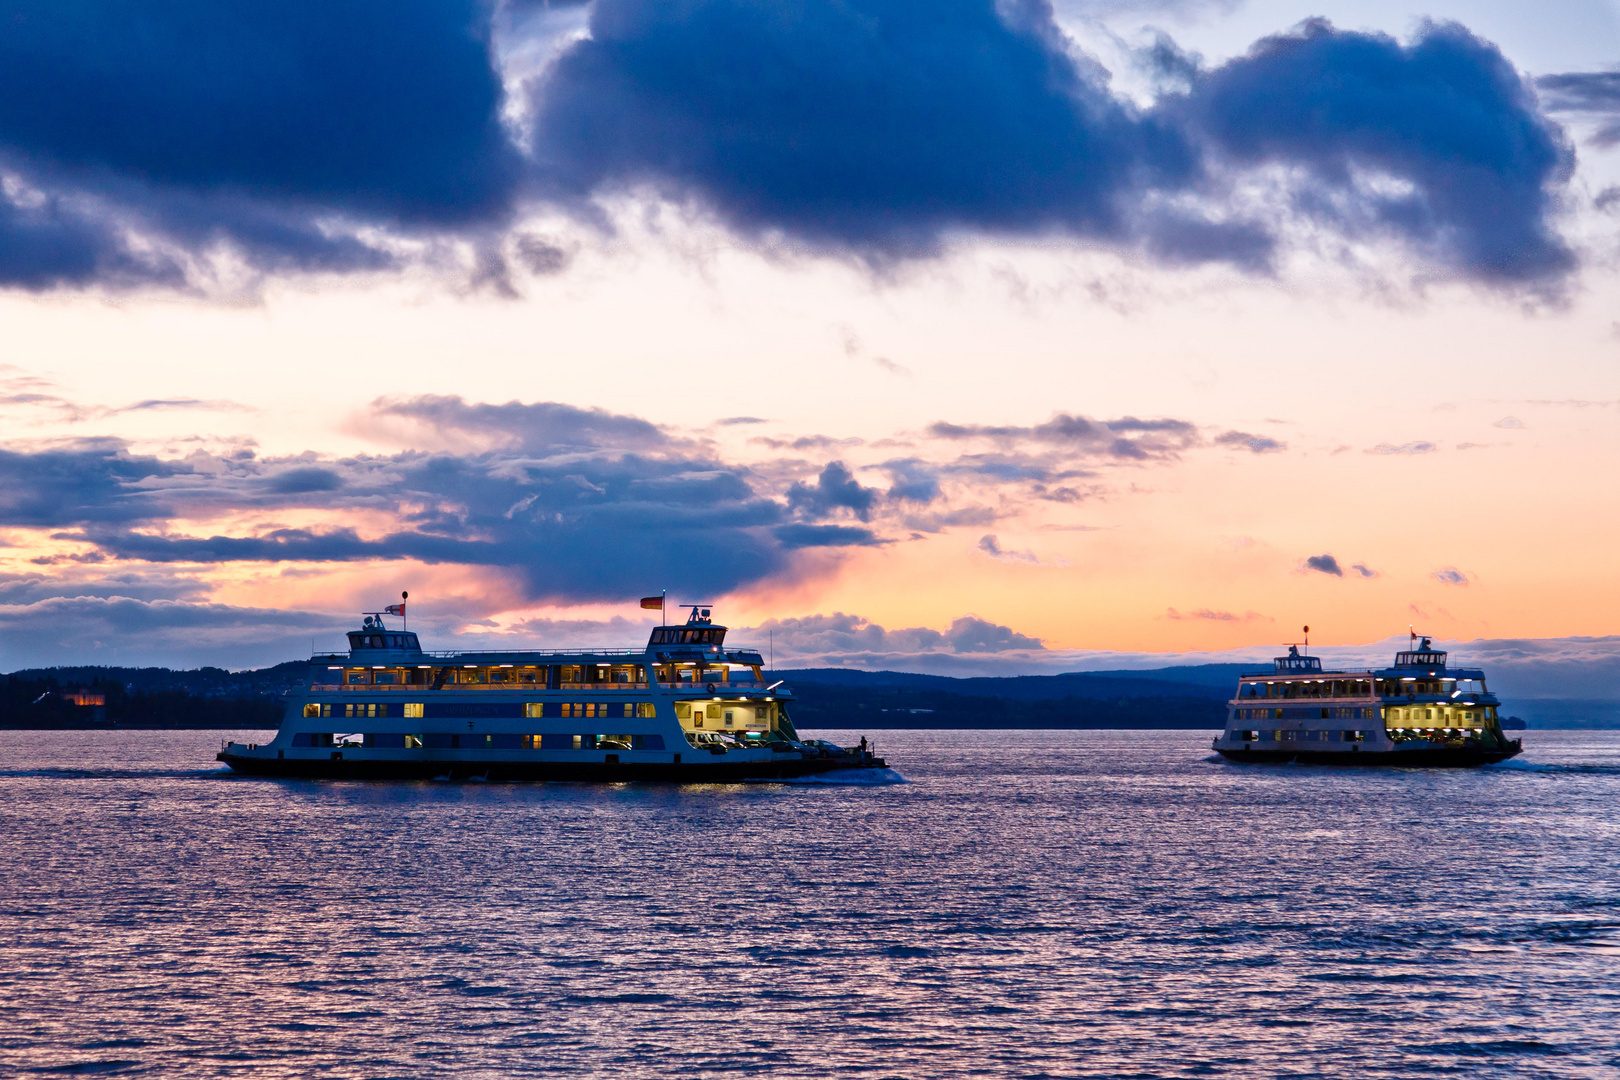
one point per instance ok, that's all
(1419, 674)
(691, 655)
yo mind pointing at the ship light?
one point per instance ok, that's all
(378, 667)
(506, 665)
(469, 665)
(334, 669)
(1408, 678)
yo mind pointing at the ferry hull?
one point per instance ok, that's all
(694, 772)
(1429, 757)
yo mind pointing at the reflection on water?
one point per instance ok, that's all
(1026, 904)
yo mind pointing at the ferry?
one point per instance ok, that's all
(687, 708)
(1419, 711)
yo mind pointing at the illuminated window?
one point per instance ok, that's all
(312, 710)
(413, 709)
(531, 742)
(413, 742)
(646, 710)
(534, 709)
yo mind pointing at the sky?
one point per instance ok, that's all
(951, 335)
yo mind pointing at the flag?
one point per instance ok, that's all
(395, 609)
(654, 602)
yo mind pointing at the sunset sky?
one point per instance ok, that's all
(901, 330)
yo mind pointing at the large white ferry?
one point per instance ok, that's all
(1416, 712)
(685, 708)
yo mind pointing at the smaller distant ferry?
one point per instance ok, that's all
(1418, 711)
(686, 708)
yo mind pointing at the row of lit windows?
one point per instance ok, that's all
(594, 708)
(565, 675)
(1298, 736)
(1410, 715)
(534, 710)
(1320, 688)
(1334, 712)
(459, 741)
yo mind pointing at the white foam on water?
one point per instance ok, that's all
(866, 777)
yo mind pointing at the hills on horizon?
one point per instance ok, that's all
(1191, 696)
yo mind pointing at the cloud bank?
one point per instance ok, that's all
(358, 137)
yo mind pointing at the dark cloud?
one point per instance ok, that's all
(1446, 115)
(154, 404)
(52, 244)
(299, 481)
(91, 481)
(122, 629)
(1258, 444)
(1127, 438)
(990, 545)
(163, 144)
(1324, 564)
(1592, 93)
(972, 634)
(794, 537)
(1364, 570)
(542, 256)
(883, 127)
(912, 480)
(576, 504)
(806, 442)
(835, 490)
(543, 427)
(386, 108)
(1450, 576)
(275, 128)
(850, 639)
(875, 125)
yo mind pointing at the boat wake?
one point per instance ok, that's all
(849, 777)
(1520, 765)
(69, 773)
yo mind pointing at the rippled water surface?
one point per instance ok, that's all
(1028, 904)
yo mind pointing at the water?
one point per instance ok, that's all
(1029, 904)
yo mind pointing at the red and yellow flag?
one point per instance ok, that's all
(655, 602)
